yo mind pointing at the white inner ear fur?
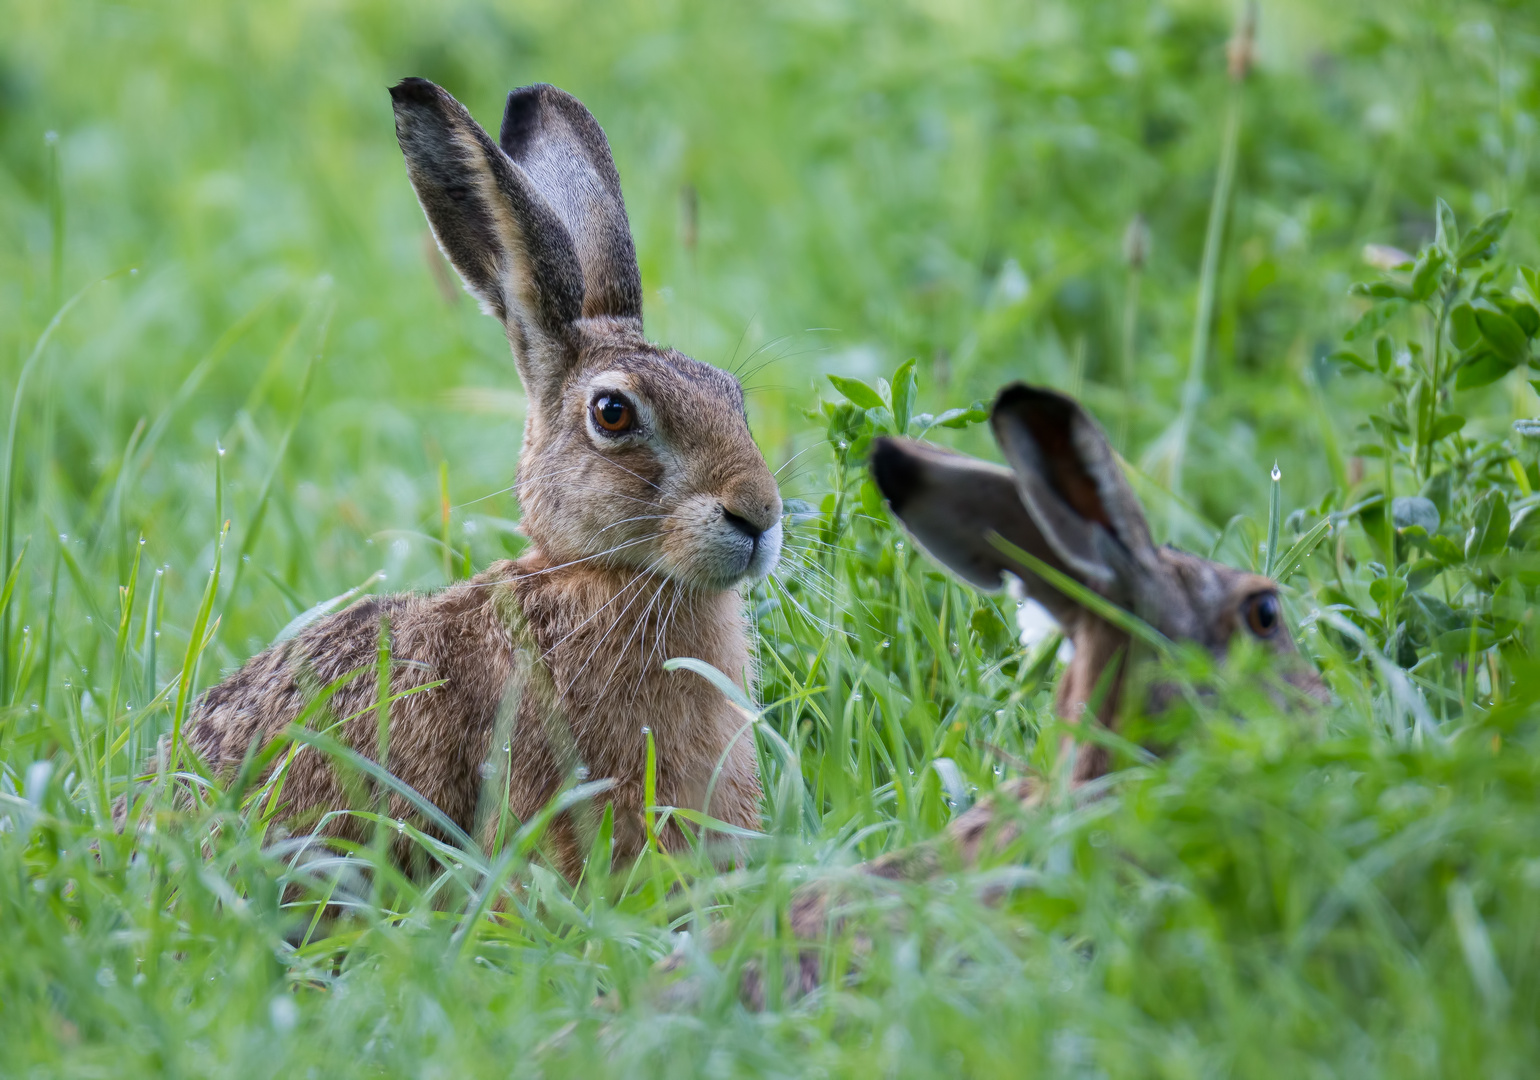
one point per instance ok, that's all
(1034, 622)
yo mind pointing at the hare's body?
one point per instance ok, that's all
(518, 660)
(647, 503)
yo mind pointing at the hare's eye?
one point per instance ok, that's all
(613, 413)
(1263, 615)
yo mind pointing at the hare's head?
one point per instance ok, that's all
(634, 455)
(1064, 501)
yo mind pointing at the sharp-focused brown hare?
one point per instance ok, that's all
(646, 500)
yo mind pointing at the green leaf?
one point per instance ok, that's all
(858, 392)
(1523, 314)
(1387, 591)
(1428, 272)
(1489, 526)
(1384, 354)
(1485, 368)
(1446, 550)
(1380, 290)
(1302, 547)
(1531, 279)
(1463, 330)
(1419, 573)
(1347, 356)
(1409, 510)
(1373, 320)
(1446, 426)
(961, 418)
(1503, 334)
(1475, 248)
(1463, 642)
(1447, 235)
(904, 386)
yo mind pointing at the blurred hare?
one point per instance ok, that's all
(1064, 501)
(646, 500)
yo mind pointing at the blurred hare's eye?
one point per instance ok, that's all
(613, 413)
(1263, 615)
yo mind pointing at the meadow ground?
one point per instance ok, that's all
(219, 304)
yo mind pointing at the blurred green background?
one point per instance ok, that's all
(827, 186)
(262, 332)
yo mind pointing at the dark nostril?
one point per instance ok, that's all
(742, 524)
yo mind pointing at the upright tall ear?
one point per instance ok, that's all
(562, 148)
(952, 504)
(1073, 489)
(498, 230)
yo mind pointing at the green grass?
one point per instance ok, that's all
(217, 305)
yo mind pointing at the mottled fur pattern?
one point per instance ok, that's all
(549, 667)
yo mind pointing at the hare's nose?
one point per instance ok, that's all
(742, 524)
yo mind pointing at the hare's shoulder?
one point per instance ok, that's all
(444, 635)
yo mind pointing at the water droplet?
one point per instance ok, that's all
(843, 445)
(51, 137)
(133, 271)
(219, 448)
(646, 730)
(582, 772)
(1277, 473)
(141, 541)
(856, 696)
(885, 643)
(157, 633)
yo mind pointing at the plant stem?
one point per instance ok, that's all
(1208, 280)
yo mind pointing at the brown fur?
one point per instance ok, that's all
(551, 664)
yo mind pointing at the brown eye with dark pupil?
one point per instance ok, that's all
(1263, 615)
(612, 413)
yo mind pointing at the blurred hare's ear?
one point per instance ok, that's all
(1073, 488)
(502, 235)
(562, 148)
(952, 504)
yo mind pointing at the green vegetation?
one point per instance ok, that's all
(244, 383)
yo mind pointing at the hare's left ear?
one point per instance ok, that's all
(562, 148)
(1072, 486)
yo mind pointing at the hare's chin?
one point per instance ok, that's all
(726, 559)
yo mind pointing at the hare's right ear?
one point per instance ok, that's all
(1074, 490)
(518, 236)
(953, 505)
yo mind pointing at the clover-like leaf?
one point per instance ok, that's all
(858, 392)
(1489, 526)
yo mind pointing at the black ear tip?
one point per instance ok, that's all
(414, 91)
(1039, 399)
(521, 117)
(896, 472)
